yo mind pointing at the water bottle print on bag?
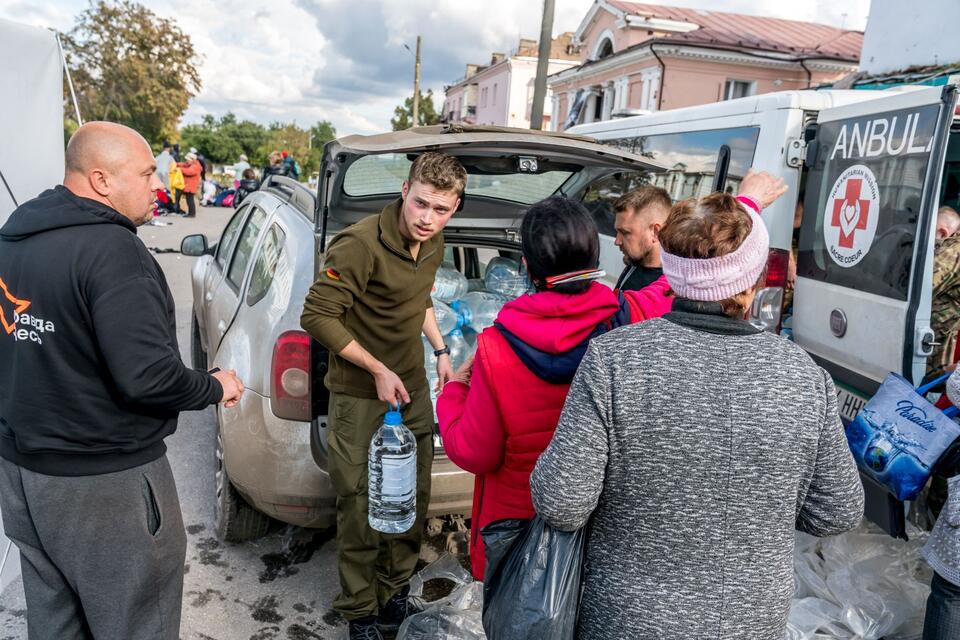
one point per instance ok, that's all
(392, 476)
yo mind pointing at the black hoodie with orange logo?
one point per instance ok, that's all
(91, 379)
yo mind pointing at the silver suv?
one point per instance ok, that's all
(250, 286)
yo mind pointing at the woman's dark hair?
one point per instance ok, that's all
(559, 236)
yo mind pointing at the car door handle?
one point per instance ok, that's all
(222, 327)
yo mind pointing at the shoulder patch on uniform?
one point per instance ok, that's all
(333, 274)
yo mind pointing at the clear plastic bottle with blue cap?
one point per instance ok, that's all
(392, 476)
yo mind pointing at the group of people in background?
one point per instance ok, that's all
(181, 179)
(187, 179)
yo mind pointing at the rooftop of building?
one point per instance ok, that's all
(792, 38)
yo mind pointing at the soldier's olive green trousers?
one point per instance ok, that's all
(373, 566)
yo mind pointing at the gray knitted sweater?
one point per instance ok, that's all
(694, 456)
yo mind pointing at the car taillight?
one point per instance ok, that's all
(290, 382)
(767, 308)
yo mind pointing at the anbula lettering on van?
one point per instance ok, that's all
(16, 322)
(890, 136)
(850, 221)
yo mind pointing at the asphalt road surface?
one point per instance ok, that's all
(280, 587)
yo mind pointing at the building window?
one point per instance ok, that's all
(606, 50)
(483, 97)
(494, 95)
(734, 89)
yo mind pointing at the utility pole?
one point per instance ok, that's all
(543, 64)
(416, 87)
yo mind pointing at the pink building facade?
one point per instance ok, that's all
(501, 93)
(638, 58)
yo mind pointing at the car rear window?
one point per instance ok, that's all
(379, 175)
(863, 200)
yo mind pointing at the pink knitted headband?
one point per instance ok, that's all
(714, 279)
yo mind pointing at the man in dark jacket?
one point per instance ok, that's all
(640, 214)
(91, 384)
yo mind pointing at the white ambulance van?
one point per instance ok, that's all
(869, 169)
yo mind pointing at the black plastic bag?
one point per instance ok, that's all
(532, 580)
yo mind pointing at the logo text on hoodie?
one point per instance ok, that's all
(20, 325)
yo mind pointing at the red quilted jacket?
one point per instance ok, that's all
(499, 425)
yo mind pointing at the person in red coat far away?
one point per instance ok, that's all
(500, 413)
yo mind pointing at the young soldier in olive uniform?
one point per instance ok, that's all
(368, 307)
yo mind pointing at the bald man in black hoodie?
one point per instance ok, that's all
(91, 384)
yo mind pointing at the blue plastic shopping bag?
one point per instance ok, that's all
(898, 436)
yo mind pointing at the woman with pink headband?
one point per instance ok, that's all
(693, 445)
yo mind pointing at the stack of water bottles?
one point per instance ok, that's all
(464, 308)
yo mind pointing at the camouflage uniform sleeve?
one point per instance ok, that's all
(946, 265)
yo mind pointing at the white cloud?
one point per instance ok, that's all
(344, 60)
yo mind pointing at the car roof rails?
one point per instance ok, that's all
(292, 191)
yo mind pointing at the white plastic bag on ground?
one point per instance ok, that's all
(458, 616)
(861, 585)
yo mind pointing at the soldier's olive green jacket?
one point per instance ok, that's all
(372, 290)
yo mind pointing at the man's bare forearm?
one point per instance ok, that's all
(432, 330)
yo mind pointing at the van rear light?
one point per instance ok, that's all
(767, 308)
(290, 382)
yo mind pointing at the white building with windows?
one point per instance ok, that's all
(501, 93)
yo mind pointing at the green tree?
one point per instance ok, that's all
(211, 140)
(133, 67)
(320, 134)
(403, 114)
(225, 139)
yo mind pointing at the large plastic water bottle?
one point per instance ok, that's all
(447, 318)
(459, 348)
(479, 309)
(392, 476)
(504, 276)
(449, 284)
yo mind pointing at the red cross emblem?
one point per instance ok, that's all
(850, 213)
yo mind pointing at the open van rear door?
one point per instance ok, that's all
(865, 261)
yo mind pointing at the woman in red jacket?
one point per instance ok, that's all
(499, 415)
(191, 170)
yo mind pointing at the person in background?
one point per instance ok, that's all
(275, 167)
(238, 168)
(293, 169)
(203, 163)
(713, 440)
(247, 185)
(191, 171)
(499, 412)
(640, 214)
(945, 308)
(368, 308)
(163, 160)
(89, 391)
(177, 184)
(794, 251)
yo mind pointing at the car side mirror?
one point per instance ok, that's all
(194, 245)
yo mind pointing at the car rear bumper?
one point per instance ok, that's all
(269, 461)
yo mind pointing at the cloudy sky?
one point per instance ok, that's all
(344, 60)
